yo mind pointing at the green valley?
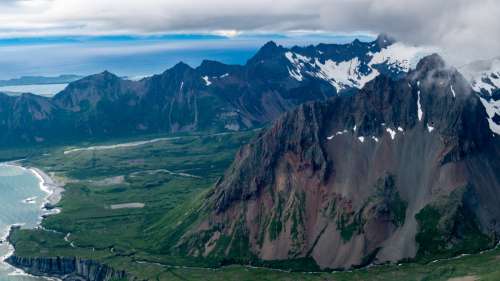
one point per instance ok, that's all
(116, 197)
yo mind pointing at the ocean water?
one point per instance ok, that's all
(46, 90)
(20, 203)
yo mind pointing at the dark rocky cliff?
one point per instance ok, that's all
(68, 268)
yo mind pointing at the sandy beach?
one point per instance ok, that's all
(48, 185)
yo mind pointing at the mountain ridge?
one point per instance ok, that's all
(212, 96)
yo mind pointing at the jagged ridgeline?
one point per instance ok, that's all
(211, 97)
(402, 169)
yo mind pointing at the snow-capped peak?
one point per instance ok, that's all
(357, 71)
(484, 77)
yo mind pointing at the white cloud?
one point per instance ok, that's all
(466, 30)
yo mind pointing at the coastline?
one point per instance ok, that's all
(53, 189)
(47, 184)
(53, 192)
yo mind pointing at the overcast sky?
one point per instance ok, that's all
(464, 30)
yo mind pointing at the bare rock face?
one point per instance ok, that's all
(68, 268)
(401, 169)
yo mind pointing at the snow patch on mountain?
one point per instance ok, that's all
(207, 81)
(492, 108)
(296, 75)
(484, 77)
(358, 71)
(391, 132)
(343, 74)
(399, 56)
(337, 134)
(419, 106)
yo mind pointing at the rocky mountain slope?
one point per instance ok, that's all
(403, 168)
(212, 96)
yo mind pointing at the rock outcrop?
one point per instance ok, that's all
(68, 268)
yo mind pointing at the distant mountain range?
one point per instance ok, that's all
(402, 169)
(213, 96)
(39, 80)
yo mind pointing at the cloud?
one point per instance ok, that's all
(464, 30)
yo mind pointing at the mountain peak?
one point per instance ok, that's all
(103, 76)
(270, 45)
(181, 66)
(383, 40)
(431, 62)
(207, 63)
(107, 74)
(356, 41)
(268, 51)
(210, 65)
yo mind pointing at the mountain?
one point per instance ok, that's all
(34, 80)
(211, 97)
(484, 77)
(402, 169)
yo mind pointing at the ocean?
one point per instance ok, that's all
(46, 90)
(21, 200)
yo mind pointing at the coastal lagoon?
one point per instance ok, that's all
(20, 203)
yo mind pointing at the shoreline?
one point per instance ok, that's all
(53, 192)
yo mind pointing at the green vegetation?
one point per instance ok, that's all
(484, 267)
(387, 193)
(173, 178)
(428, 220)
(447, 228)
(298, 213)
(350, 224)
(162, 175)
(434, 241)
(276, 225)
(386, 201)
